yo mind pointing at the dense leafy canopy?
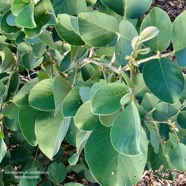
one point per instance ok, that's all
(88, 86)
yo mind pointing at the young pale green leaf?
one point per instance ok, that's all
(61, 89)
(126, 131)
(107, 99)
(131, 9)
(3, 149)
(28, 13)
(147, 34)
(181, 118)
(123, 48)
(27, 118)
(57, 172)
(164, 79)
(161, 42)
(144, 51)
(178, 158)
(71, 103)
(97, 29)
(41, 96)
(85, 93)
(88, 121)
(67, 28)
(50, 131)
(108, 165)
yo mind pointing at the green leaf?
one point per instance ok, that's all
(61, 89)
(5, 27)
(108, 120)
(149, 101)
(11, 111)
(57, 172)
(73, 184)
(73, 7)
(50, 131)
(165, 111)
(131, 9)
(178, 158)
(67, 28)
(107, 99)
(181, 118)
(161, 42)
(81, 139)
(85, 93)
(126, 131)
(18, 99)
(46, 38)
(71, 103)
(110, 167)
(97, 29)
(178, 33)
(123, 47)
(28, 13)
(148, 33)
(17, 6)
(2, 90)
(41, 95)
(3, 149)
(9, 62)
(30, 177)
(88, 121)
(164, 79)
(154, 135)
(27, 118)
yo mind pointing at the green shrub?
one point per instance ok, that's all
(88, 86)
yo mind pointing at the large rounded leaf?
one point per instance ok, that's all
(110, 167)
(41, 95)
(123, 47)
(178, 158)
(126, 131)
(161, 42)
(178, 38)
(97, 29)
(131, 9)
(67, 28)
(50, 132)
(27, 118)
(164, 79)
(88, 121)
(107, 99)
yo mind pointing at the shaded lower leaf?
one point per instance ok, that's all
(3, 149)
(57, 172)
(178, 158)
(50, 132)
(110, 167)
